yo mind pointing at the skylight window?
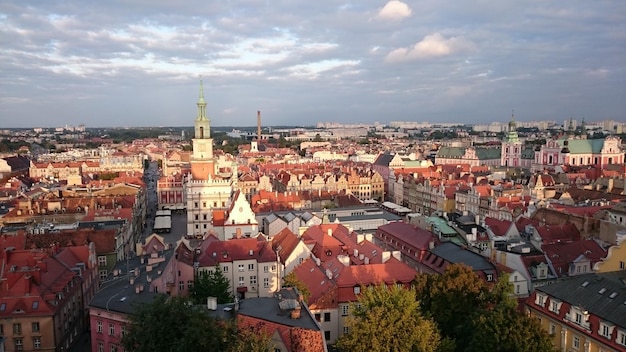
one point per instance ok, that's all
(613, 295)
(602, 290)
(585, 284)
(3, 307)
(35, 305)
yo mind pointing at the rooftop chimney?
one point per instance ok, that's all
(295, 313)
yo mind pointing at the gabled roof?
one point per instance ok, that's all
(562, 255)
(216, 251)
(384, 159)
(285, 242)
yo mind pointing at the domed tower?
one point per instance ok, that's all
(511, 152)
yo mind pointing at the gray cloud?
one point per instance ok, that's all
(137, 63)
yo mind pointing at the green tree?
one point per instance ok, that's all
(291, 280)
(388, 319)
(172, 324)
(478, 316)
(504, 328)
(211, 284)
(451, 298)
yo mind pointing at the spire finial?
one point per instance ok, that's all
(201, 89)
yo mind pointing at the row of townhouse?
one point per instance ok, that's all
(362, 183)
(63, 171)
(44, 295)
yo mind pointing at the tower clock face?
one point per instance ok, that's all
(241, 209)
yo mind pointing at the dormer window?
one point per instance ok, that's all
(540, 299)
(357, 290)
(555, 305)
(606, 329)
(578, 316)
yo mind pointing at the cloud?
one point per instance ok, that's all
(432, 46)
(395, 10)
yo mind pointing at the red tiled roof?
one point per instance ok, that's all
(216, 251)
(412, 235)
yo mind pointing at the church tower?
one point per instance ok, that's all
(202, 161)
(511, 153)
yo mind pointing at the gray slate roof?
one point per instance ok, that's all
(456, 254)
(587, 296)
(118, 295)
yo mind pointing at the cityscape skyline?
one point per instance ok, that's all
(298, 63)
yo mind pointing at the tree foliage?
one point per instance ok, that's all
(388, 319)
(478, 316)
(211, 284)
(171, 324)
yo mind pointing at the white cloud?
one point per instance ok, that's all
(434, 45)
(395, 10)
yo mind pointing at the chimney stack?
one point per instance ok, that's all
(258, 125)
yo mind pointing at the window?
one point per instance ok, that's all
(357, 290)
(346, 330)
(265, 268)
(242, 281)
(273, 267)
(622, 265)
(327, 335)
(1, 329)
(204, 204)
(189, 284)
(250, 267)
(326, 316)
(345, 309)
(17, 329)
(100, 347)
(252, 280)
(241, 267)
(579, 318)
(540, 300)
(113, 348)
(99, 326)
(318, 317)
(181, 285)
(195, 217)
(37, 342)
(102, 274)
(225, 269)
(266, 282)
(122, 330)
(489, 277)
(195, 204)
(621, 338)
(605, 331)
(111, 329)
(19, 344)
(300, 260)
(35, 326)
(555, 306)
(203, 216)
(576, 342)
(552, 329)
(102, 260)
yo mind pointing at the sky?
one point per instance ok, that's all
(138, 63)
